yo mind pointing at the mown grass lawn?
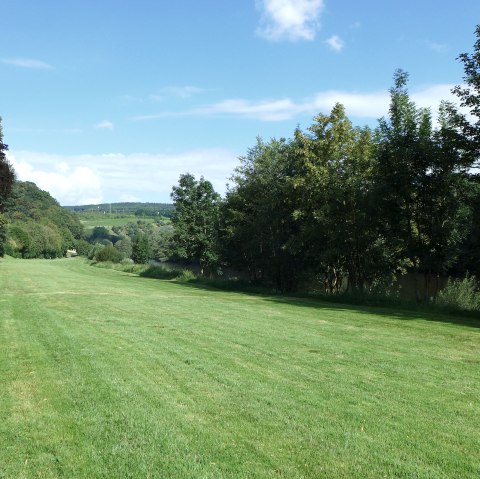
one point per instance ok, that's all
(105, 374)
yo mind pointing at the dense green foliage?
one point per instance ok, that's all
(460, 295)
(38, 227)
(469, 95)
(347, 208)
(340, 208)
(7, 178)
(141, 251)
(107, 252)
(422, 185)
(196, 222)
(138, 241)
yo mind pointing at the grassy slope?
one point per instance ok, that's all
(108, 375)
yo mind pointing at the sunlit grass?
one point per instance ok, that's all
(108, 221)
(106, 374)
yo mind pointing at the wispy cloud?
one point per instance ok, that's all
(267, 110)
(85, 179)
(163, 94)
(335, 43)
(183, 92)
(274, 110)
(289, 19)
(105, 125)
(27, 63)
(366, 105)
(437, 47)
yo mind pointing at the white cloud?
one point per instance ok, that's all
(358, 104)
(335, 43)
(69, 185)
(289, 19)
(90, 179)
(104, 125)
(431, 96)
(364, 105)
(27, 63)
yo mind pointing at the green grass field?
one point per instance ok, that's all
(90, 221)
(108, 375)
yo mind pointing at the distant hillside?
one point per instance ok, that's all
(38, 227)
(137, 209)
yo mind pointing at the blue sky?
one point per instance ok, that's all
(107, 101)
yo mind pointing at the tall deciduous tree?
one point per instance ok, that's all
(7, 175)
(333, 183)
(469, 95)
(420, 180)
(7, 178)
(259, 227)
(195, 222)
(141, 249)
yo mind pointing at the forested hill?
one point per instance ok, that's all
(37, 225)
(131, 208)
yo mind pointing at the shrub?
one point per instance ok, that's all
(460, 294)
(83, 247)
(140, 249)
(94, 250)
(185, 275)
(108, 253)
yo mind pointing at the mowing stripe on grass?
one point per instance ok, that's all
(125, 376)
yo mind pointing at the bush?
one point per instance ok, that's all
(94, 250)
(108, 253)
(185, 275)
(83, 247)
(460, 294)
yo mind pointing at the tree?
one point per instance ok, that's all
(469, 96)
(195, 222)
(259, 226)
(161, 242)
(141, 249)
(124, 246)
(333, 185)
(469, 143)
(7, 174)
(7, 178)
(51, 229)
(421, 179)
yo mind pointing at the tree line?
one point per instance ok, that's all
(345, 206)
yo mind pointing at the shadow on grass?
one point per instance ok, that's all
(381, 306)
(402, 310)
